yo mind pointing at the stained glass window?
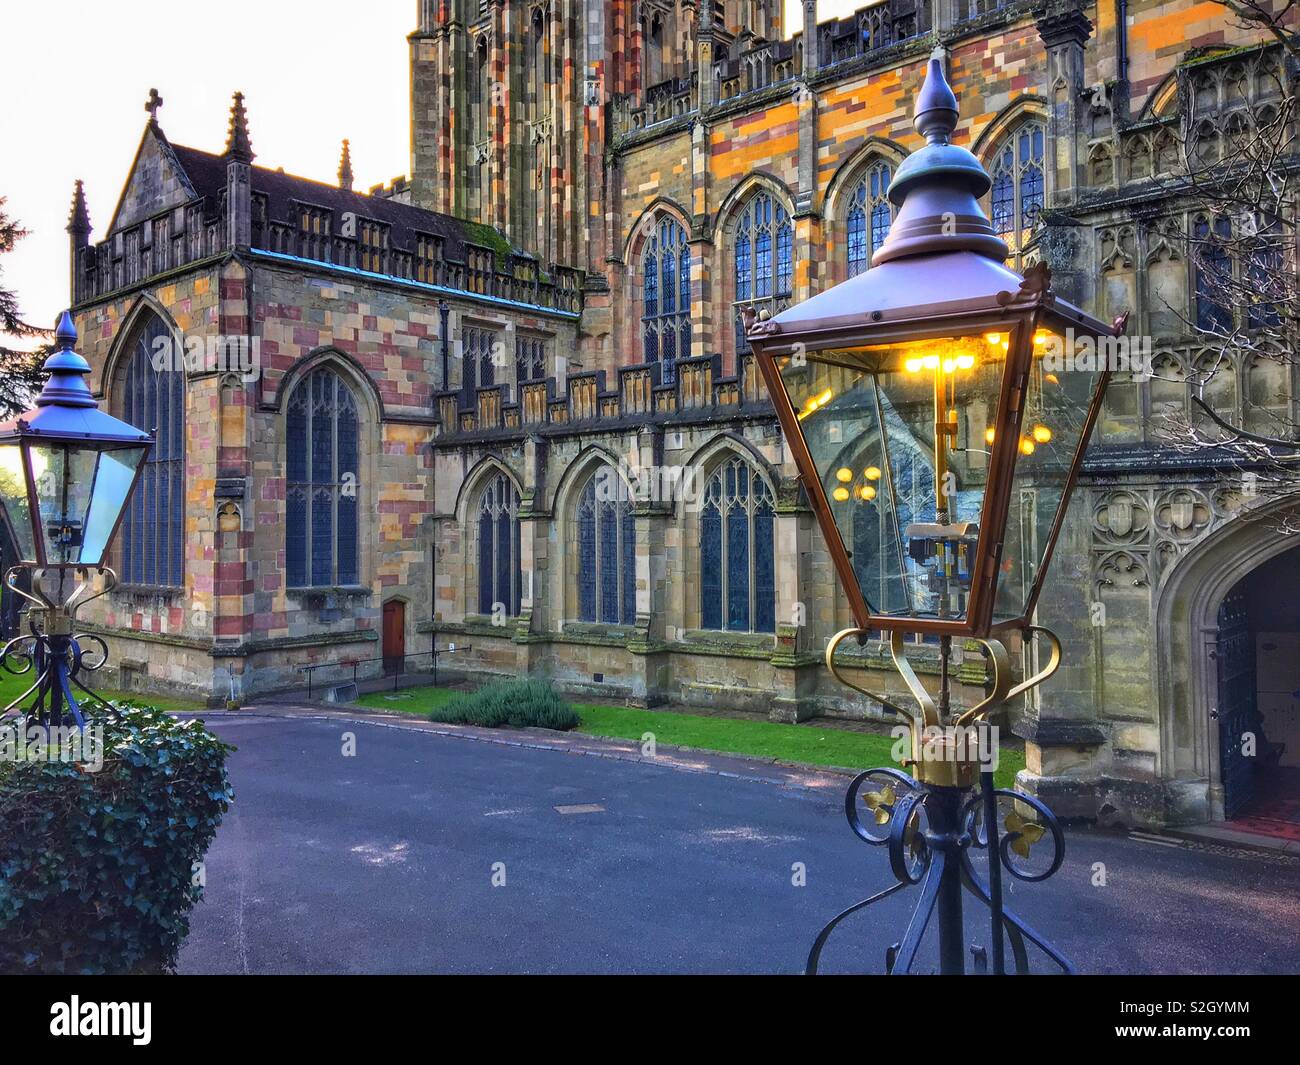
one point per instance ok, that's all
(869, 217)
(737, 551)
(764, 260)
(1018, 188)
(153, 399)
(323, 459)
(1213, 270)
(498, 547)
(606, 550)
(666, 318)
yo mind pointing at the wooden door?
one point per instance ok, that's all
(394, 636)
(1236, 712)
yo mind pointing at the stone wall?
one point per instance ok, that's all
(234, 628)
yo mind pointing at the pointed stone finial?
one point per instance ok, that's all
(152, 105)
(79, 216)
(238, 147)
(345, 167)
(936, 106)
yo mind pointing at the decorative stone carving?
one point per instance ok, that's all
(1121, 569)
(1120, 519)
(1117, 248)
(1183, 514)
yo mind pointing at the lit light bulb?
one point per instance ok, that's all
(867, 492)
(930, 362)
(994, 339)
(1052, 378)
(989, 434)
(949, 365)
(1026, 446)
(1042, 434)
(872, 473)
(965, 362)
(912, 365)
(1040, 338)
(844, 474)
(840, 494)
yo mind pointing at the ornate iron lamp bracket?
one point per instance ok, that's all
(54, 651)
(930, 822)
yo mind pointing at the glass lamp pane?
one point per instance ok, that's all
(13, 496)
(1062, 379)
(113, 480)
(63, 476)
(906, 499)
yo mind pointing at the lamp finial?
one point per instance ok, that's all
(68, 371)
(936, 106)
(937, 188)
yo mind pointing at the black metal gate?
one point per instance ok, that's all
(1236, 712)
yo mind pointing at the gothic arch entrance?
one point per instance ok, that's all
(1209, 683)
(1258, 709)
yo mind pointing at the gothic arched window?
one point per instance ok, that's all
(153, 399)
(869, 217)
(666, 317)
(763, 260)
(737, 551)
(1018, 188)
(891, 580)
(606, 550)
(498, 547)
(1212, 268)
(322, 459)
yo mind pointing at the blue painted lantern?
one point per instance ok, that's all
(67, 469)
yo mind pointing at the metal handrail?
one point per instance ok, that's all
(432, 653)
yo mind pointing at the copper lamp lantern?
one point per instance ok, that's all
(937, 407)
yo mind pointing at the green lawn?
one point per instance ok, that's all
(808, 744)
(12, 686)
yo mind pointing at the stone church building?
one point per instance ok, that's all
(506, 403)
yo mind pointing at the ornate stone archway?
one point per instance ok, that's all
(1185, 680)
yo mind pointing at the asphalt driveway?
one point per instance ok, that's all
(424, 852)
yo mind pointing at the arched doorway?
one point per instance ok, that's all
(1206, 683)
(1258, 709)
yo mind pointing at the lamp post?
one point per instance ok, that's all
(937, 407)
(67, 470)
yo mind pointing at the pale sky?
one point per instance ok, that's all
(77, 72)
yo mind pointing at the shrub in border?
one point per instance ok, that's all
(517, 703)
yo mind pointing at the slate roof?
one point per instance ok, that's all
(207, 174)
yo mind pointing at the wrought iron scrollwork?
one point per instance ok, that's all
(931, 825)
(886, 807)
(58, 655)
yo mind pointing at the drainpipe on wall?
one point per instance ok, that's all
(1121, 41)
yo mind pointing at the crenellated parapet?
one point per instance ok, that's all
(590, 400)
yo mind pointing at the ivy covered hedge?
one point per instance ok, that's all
(99, 869)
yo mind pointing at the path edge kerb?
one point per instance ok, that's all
(797, 775)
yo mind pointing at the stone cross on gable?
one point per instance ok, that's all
(152, 104)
